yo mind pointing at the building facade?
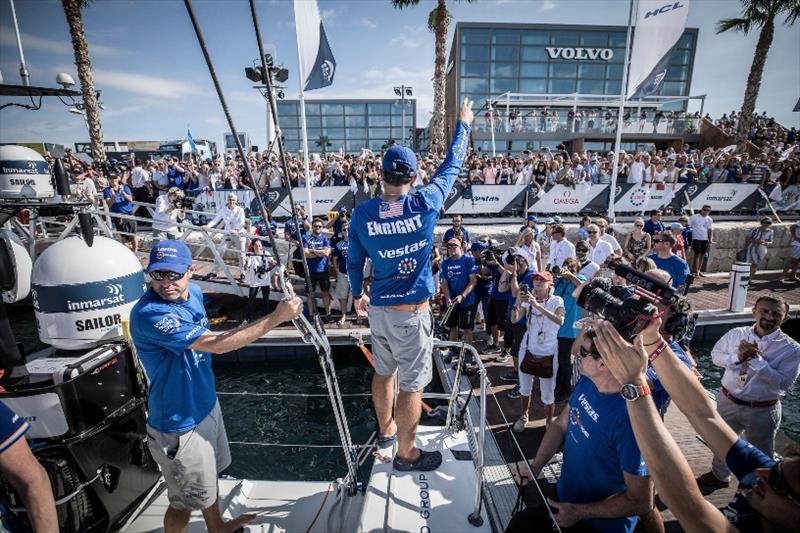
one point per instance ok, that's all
(348, 125)
(515, 72)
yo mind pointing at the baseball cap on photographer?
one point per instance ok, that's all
(170, 255)
(477, 247)
(545, 275)
(399, 161)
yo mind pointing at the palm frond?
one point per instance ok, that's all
(402, 4)
(433, 18)
(737, 24)
(792, 12)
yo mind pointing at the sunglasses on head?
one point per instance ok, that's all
(160, 275)
(588, 353)
(777, 482)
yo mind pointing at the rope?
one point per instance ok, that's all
(366, 445)
(322, 506)
(296, 394)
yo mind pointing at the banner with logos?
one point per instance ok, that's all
(488, 199)
(633, 198)
(324, 198)
(722, 196)
(564, 199)
(210, 201)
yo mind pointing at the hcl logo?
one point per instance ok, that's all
(664, 9)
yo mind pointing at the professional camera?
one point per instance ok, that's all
(555, 270)
(511, 256)
(631, 315)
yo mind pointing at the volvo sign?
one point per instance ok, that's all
(604, 54)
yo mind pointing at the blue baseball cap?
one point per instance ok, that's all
(477, 246)
(170, 255)
(532, 218)
(399, 161)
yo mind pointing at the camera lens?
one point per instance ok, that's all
(556, 270)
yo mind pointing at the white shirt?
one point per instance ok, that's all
(83, 189)
(636, 175)
(544, 241)
(598, 254)
(233, 218)
(769, 375)
(541, 338)
(254, 262)
(589, 269)
(529, 252)
(139, 177)
(700, 225)
(559, 251)
(165, 219)
(610, 239)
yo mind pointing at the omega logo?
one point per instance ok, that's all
(580, 53)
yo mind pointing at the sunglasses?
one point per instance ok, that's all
(317, 227)
(639, 225)
(591, 232)
(777, 482)
(587, 353)
(656, 241)
(160, 275)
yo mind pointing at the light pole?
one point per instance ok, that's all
(403, 91)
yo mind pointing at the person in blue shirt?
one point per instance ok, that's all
(565, 283)
(483, 285)
(339, 259)
(665, 260)
(530, 222)
(458, 279)
(768, 496)
(185, 431)
(176, 174)
(318, 250)
(654, 225)
(457, 231)
(20, 468)
(295, 238)
(395, 231)
(604, 483)
(119, 199)
(337, 224)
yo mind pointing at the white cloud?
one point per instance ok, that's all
(143, 84)
(327, 14)
(405, 42)
(548, 5)
(368, 23)
(34, 42)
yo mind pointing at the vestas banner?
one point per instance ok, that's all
(317, 65)
(659, 25)
(489, 199)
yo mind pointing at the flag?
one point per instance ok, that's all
(317, 65)
(191, 141)
(659, 25)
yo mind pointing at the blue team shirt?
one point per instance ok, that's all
(341, 253)
(120, 205)
(677, 267)
(449, 234)
(599, 446)
(572, 312)
(12, 427)
(743, 458)
(497, 273)
(653, 228)
(290, 228)
(456, 273)
(182, 391)
(398, 235)
(316, 242)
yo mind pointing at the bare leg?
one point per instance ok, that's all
(495, 336)
(468, 336)
(548, 414)
(326, 300)
(753, 269)
(525, 405)
(176, 521)
(408, 411)
(215, 524)
(382, 400)
(343, 307)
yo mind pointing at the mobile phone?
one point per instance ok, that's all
(524, 289)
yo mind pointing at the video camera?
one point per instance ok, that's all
(631, 315)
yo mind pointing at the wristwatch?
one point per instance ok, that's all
(633, 392)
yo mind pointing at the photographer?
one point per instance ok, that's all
(169, 212)
(545, 316)
(498, 306)
(260, 262)
(560, 248)
(567, 279)
(295, 238)
(588, 268)
(769, 491)
(481, 253)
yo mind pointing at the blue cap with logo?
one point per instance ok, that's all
(399, 161)
(170, 255)
(532, 218)
(477, 247)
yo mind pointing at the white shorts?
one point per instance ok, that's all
(192, 460)
(342, 289)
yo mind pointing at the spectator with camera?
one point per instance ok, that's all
(482, 253)
(317, 248)
(232, 216)
(457, 231)
(588, 268)
(296, 238)
(527, 246)
(83, 189)
(560, 249)
(119, 199)
(168, 213)
(259, 264)
(666, 260)
(458, 280)
(520, 279)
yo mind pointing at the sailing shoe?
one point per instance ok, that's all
(427, 461)
(711, 481)
(514, 393)
(491, 348)
(519, 425)
(510, 377)
(503, 357)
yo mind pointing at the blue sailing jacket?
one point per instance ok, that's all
(398, 236)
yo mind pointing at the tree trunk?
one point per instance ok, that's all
(438, 142)
(754, 79)
(72, 10)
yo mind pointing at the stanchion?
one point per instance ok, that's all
(737, 286)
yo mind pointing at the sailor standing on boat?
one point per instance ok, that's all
(185, 431)
(395, 231)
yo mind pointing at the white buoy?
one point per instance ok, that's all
(81, 294)
(24, 175)
(737, 286)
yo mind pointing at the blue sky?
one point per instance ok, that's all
(154, 81)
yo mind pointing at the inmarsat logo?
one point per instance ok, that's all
(114, 288)
(328, 69)
(272, 196)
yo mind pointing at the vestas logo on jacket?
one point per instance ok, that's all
(664, 9)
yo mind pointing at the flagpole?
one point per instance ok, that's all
(620, 111)
(309, 205)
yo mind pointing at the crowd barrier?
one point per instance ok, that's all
(506, 199)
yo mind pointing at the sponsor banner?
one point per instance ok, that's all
(489, 199)
(787, 199)
(563, 199)
(454, 196)
(630, 197)
(324, 198)
(722, 196)
(209, 201)
(92, 296)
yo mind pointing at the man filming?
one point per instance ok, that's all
(169, 211)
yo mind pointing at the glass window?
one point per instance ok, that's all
(477, 85)
(680, 57)
(355, 145)
(564, 38)
(355, 133)
(531, 53)
(594, 38)
(291, 146)
(397, 133)
(397, 108)
(562, 86)
(355, 120)
(504, 85)
(334, 133)
(313, 121)
(563, 70)
(685, 42)
(287, 121)
(592, 70)
(475, 69)
(380, 133)
(614, 72)
(536, 37)
(505, 53)
(617, 38)
(287, 108)
(533, 86)
(378, 120)
(290, 133)
(618, 57)
(376, 145)
(313, 133)
(505, 70)
(335, 121)
(505, 37)
(354, 109)
(677, 73)
(590, 87)
(378, 109)
(312, 109)
(614, 86)
(332, 109)
(475, 53)
(533, 70)
(475, 37)
(673, 88)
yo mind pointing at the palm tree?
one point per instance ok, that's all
(323, 142)
(758, 14)
(438, 22)
(72, 10)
